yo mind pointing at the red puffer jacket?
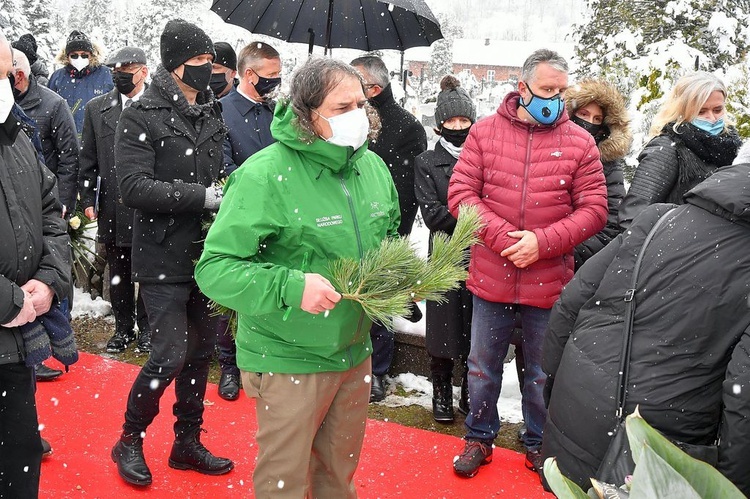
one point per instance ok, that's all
(546, 179)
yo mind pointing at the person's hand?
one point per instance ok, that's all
(27, 313)
(319, 294)
(41, 295)
(525, 251)
(90, 213)
(64, 211)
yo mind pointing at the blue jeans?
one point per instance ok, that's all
(491, 331)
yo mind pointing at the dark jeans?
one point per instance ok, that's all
(125, 308)
(183, 336)
(491, 330)
(227, 347)
(20, 443)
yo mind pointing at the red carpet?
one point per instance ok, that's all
(82, 413)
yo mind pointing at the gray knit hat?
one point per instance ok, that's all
(453, 101)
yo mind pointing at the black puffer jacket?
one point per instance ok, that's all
(612, 149)
(401, 139)
(57, 130)
(690, 361)
(34, 243)
(674, 162)
(164, 163)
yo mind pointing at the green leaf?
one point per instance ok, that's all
(654, 477)
(705, 479)
(560, 484)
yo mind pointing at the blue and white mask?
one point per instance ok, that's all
(545, 111)
(713, 128)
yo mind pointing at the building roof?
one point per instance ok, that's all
(486, 52)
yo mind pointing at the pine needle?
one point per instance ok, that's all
(388, 279)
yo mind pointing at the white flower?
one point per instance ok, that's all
(75, 222)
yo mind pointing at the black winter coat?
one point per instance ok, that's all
(164, 166)
(448, 328)
(97, 159)
(34, 243)
(249, 126)
(401, 139)
(58, 134)
(691, 334)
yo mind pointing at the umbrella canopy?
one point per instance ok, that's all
(355, 24)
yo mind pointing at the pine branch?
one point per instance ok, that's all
(388, 279)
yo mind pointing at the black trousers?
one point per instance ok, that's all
(122, 292)
(20, 443)
(183, 336)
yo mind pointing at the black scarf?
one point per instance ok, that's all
(717, 150)
(204, 102)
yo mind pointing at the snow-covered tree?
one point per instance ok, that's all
(441, 53)
(43, 24)
(12, 12)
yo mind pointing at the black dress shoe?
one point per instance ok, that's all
(46, 448)
(229, 386)
(377, 388)
(120, 341)
(143, 345)
(131, 464)
(189, 453)
(44, 373)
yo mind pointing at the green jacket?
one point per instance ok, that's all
(290, 209)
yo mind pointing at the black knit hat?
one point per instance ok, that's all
(78, 41)
(453, 101)
(225, 55)
(27, 44)
(181, 41)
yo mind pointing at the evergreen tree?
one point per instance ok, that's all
(12, 11)
(441, 54)
(44, 27)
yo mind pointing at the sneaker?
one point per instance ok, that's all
(534, 460)
(119, 342)
(475, 454)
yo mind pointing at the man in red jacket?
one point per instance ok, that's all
(538, 182)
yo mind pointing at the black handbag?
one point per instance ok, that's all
(618, 460)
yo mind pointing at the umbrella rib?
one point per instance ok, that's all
(364, 23)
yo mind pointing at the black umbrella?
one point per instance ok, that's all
(355, 24)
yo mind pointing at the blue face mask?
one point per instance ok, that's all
(545, 111)
(714, 128)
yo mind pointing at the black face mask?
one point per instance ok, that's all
(266, 85)
(197, 77)
(455, 137)
(123, 82)
(599, 132)
(218, 83)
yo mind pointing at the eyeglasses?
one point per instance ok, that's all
(370, 85)
(76, 56)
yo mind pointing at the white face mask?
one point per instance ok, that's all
(6, 99)
(349, 129)
(79, 63)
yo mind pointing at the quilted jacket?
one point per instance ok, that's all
(545, 179)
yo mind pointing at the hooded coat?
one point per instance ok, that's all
(612, 150)
(690, 339)
(293, 208)
(543, 178)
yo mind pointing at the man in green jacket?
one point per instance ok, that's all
(313, 197)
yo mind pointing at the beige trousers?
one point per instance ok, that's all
(310, 431)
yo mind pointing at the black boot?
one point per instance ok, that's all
(442, 399)
(463, 403)
(128, 455)
(143, 345)
(120, 341)
(188, 453)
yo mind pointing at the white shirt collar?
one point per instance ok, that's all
(137, 96)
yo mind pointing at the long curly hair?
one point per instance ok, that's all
(310, 85)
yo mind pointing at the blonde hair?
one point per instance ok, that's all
(686, 99)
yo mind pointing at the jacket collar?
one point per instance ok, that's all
(245, 105)
(9, 130)
(33, 96)
(384, 98)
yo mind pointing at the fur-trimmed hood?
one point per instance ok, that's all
(95, 60)
(617, 145)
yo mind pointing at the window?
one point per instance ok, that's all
(490, 75)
